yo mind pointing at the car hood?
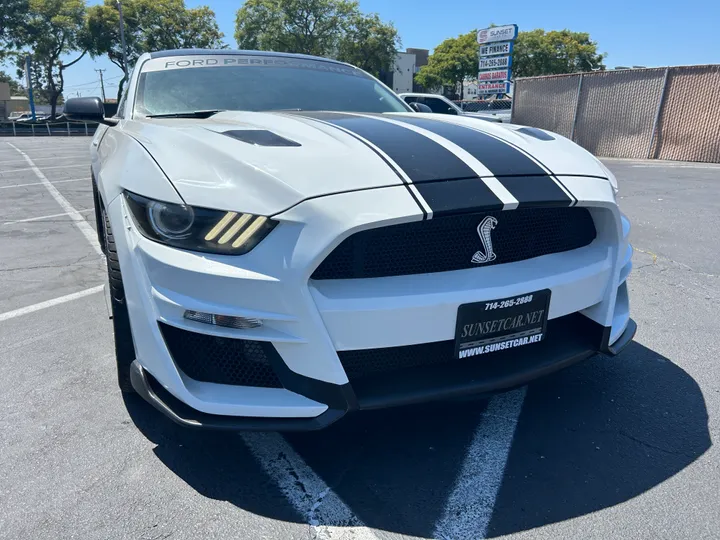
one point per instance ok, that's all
(479, 115)
(264, 163)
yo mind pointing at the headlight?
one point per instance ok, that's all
(198, 229)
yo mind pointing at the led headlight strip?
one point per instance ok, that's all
(247, 225)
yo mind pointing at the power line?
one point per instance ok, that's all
(92, 83)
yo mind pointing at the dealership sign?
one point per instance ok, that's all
(494, 88)
(496, 62)
(498, 75)
(497, 33)
(496, 48)
(495, 58)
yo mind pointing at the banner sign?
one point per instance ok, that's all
(496, 62)
(498, 75)
(496, 48)
(497, 33)
(494, 88)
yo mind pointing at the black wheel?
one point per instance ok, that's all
(124, 347)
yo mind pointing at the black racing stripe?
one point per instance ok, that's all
(422, 159)
(502, 159)
(529, 194)
(458, 196)
(394, 169)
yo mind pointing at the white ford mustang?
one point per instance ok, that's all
(287, 241)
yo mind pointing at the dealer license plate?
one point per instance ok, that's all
(498, 325)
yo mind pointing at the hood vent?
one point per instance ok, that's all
(537, 133)
(259, 137)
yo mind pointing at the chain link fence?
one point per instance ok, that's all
(485, 106)
(663, 113)
(47, 129)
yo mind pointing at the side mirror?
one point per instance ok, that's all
(420, 107)
(451, 110)
(87, 109)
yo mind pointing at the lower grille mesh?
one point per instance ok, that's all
(396, 366)
(220, 360)
(361, 363)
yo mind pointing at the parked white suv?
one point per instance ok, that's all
(442, 105)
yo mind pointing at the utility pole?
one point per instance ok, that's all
(102, 84)
(122, 38)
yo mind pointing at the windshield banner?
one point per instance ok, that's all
(237, 60)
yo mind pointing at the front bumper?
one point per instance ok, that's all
(310, 323)
(425, 385)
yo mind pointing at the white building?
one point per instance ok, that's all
(407, 64)
(403, 72)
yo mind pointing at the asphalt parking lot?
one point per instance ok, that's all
(610, 448)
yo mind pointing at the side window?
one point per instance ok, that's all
(439, 106)
(411, 99)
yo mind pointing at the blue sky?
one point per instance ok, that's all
(643, 32)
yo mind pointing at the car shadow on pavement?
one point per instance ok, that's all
(588, 438)
(598, 435)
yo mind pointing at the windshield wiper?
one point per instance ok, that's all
(191, 114)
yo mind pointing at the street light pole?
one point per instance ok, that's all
(122, 38)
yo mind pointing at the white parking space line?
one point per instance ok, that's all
(326, 514)
(75, 216)
(46, 168)
(40, 218)
(42, 183)
(470, 506)
(49, 303)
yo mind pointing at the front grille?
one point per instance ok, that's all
(449, 243)
(221, 360)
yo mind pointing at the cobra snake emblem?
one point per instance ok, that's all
(485, 231)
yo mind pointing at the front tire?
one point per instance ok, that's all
(124, 347)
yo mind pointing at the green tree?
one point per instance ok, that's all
(299, 26)
(15, 88)
(369, 43)
(12, 14)
(50, 30)
(452, 62)
(42, 95)
(150, 25)
(548, 53)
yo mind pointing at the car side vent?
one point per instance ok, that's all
(537, 133)
(260, 137)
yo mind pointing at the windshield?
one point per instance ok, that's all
(257, 83)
